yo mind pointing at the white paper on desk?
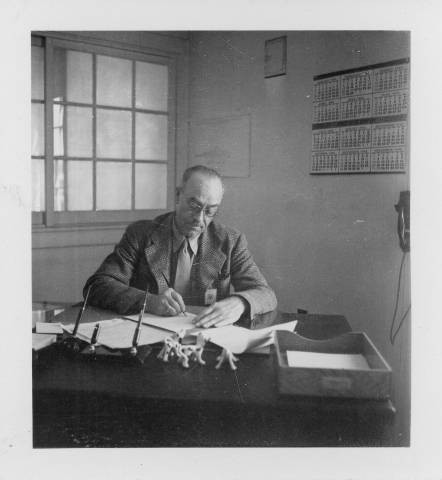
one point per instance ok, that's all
(91, 314)
(337, 361)
(239, 339)
(118, 333)
(233, 338)
(45, 327)
(172, 324)
(42, 340)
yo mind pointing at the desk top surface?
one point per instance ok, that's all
(254, 382)
(252, 386)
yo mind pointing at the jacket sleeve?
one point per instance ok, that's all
(110, 284)
(248, 281)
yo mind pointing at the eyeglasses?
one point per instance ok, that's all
(196, 209)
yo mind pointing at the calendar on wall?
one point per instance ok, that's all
(360, 119)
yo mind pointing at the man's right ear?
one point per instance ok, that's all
(177, 194)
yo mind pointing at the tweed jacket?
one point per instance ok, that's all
(142, 259)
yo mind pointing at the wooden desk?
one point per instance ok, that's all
(106, 403)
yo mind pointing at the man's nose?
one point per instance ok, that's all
(199, 216)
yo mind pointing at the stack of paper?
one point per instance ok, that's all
(118, 333)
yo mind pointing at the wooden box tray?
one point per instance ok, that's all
(374, 381)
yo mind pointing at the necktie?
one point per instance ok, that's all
(183, 267)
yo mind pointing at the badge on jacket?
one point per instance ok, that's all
(210, 296)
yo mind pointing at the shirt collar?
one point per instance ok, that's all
(178, 239)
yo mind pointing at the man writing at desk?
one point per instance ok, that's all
(184, 258)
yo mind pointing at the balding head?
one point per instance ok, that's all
(200, 169)
(199, 197)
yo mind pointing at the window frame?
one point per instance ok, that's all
(38, 217)
(51, 218)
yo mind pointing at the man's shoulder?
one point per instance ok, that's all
(224, 232)
(143, 227)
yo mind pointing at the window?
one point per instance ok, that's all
(102, 133)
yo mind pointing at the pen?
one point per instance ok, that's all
(168, 284)
(95, 334)
(94, 338)
(80, 313)
(137, 331)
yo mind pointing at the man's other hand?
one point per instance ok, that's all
(222, 313)
(167, 304)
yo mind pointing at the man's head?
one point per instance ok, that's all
(199, 197)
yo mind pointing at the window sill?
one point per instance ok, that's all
(64, 236)
(80, 227)
(86, 234)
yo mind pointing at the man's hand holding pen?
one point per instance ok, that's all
(168, 304)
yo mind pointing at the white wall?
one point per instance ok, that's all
(325, 243)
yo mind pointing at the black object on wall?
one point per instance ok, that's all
(403, 223)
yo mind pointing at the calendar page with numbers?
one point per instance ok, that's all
(360, 119)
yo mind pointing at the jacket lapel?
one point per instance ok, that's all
(158, 254)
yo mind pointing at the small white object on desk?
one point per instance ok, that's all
(193, 352)
(184, 353)
(44, 312)
(171, 347)
(227, 356)
(44, 327)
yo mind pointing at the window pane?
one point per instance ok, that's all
(114, 134)
(151, 86)
(151, 137)
(59, 75)
(37, 73)
(150, 185)
(79, 120)
(79, 185)
(59, 185)
(37, 127)
(79, 77)
(114, 81)
(72, 76)
(58, 120)
(38, 185)
(114, 181)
